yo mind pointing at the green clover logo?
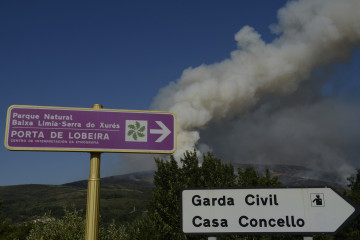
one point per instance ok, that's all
(136, 130)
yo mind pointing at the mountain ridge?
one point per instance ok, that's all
(289, 176)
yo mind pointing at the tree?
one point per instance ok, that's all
(72, 227)
(352, 231)
(170, 179)
(354, 185)
(14, 232)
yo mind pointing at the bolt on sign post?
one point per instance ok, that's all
(300, 211)
(95, 130)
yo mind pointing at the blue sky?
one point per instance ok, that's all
(118, 54)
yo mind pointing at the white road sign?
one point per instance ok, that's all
(273, 210)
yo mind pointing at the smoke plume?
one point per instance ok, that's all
(231, 96)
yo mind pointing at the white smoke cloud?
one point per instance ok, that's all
(311, 34)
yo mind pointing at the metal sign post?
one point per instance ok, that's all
(93, 196)
(93, 199)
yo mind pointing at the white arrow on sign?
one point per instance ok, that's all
(273, 210)
(164, 131)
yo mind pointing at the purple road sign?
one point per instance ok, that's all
(87, 130)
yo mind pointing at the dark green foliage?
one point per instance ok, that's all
(142, 228)
(19, 231)
(24, 203)
(72, 227)
(250, 178)
(214, 173)
(352, 230)
(354, 185)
